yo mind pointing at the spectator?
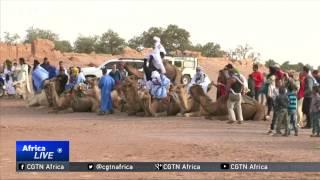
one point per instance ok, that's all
(61, 69)
(316, 76)
(39, 75)
(106, 84)
(281, 107)
(300, 99)
(52, 70)
(251, 85)
(271, 96)
(292, 107)
(315, 111)
(221, 84)
(115, 74)
(258, 79)
(308, 84)
(234, 88)
(8, 73)
(123, 72)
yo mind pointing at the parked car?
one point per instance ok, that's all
(187, 65)
(97, 72)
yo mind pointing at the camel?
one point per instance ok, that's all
(188, 106)
(85, 103)
(251, 109)
(155, 108)
(38, 99)
(173, 73)
(130, 90)
(60, 82)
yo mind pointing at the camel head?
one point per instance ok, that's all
(196, 91)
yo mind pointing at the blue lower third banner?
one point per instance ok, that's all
(42, 150)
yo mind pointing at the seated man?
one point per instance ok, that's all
(159, 85)
(75, 78)
(201, 79)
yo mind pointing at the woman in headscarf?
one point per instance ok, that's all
(8, 72)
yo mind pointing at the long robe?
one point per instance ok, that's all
(201, 79)
(9, 81)
(106, 84)
(39, 74)
(23, 77)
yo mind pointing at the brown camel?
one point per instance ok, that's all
(130, 90)
(251, 109)
(77, 100)
(155, 107)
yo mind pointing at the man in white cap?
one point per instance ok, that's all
(201, 79)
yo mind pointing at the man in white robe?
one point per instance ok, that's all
(201, 79)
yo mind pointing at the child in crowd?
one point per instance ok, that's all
(292, 107)
(281, 108)
(272, 93)
(315, 111)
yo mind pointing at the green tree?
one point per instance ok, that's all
(212, 50)
(110, 42)
(197, 47)
(270, 62)
(147, 36)
(11, 38)
(175, 38)
(63, 46)
(36, 33)
(85, 44)
(136, 42)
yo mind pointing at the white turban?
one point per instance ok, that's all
(158, 46)
(155, 75)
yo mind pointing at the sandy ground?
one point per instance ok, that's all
(122, 138)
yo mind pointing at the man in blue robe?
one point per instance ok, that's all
(39, 75)
(106, 85)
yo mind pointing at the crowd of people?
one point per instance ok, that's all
(289, 97)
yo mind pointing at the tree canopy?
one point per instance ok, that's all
(36, 33)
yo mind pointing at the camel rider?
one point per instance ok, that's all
(39, 75)
(159, 85)
(75, 78)
(154, 60)
(200, 78)
(234, 89)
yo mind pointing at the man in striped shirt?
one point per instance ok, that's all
(292, 108)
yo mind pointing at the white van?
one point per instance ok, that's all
(97, 72)
(187, 65)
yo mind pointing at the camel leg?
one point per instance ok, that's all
(192, 114)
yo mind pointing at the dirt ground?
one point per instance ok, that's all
(122, 138)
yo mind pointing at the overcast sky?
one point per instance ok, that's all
(284, 30)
